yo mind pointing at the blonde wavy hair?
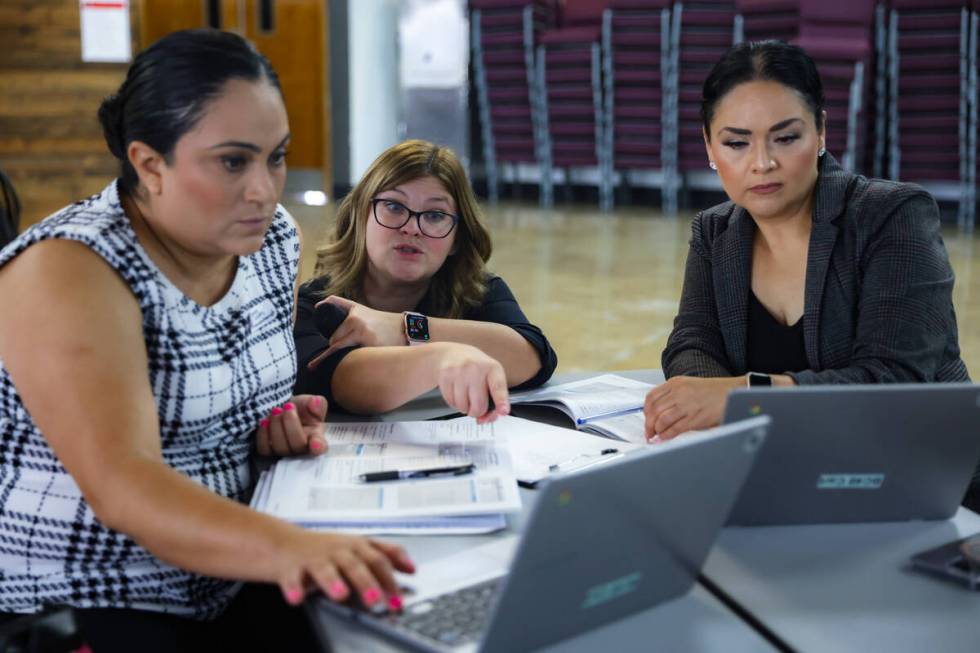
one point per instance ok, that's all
(461, 281)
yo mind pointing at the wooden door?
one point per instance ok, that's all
(292, 34)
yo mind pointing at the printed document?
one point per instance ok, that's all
(326, 490)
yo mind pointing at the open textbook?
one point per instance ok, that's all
(325, 491)
(608, 405)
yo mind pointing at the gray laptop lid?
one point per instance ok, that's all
(859, 453)
(620, 537)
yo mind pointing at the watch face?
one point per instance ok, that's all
(757, 379)
(417, 327)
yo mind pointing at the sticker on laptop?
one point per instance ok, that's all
(850, 481)
(612, 590)
(564, 498)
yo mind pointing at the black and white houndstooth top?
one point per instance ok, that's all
(215, 372)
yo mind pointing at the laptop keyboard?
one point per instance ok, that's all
(451, 619)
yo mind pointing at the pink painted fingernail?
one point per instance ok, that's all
(294, 597)
(337, 590)
(289, 405)
(315, 402)
(371, 596)
(316, 446)
(277, 411)
(264, 423)
(395, 603)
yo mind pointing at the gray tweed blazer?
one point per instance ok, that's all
(878, 293)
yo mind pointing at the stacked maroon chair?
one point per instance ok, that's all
(768, 19)
(504, 34)
(879, 119)
(570, 72)
(968, 212)
(840, 35)
(701, 32)
(928, 118)
(640, 137)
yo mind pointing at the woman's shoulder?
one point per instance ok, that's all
(883, 193)
(283, 230)
(315, 286)
(870, 204)
(491, 279)
(310, 293)
(864, 201)
(718, 216)
(495, 288)
(91, 239)
(711, 223)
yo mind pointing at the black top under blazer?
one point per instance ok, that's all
(878, 296)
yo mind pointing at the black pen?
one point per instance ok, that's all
(557, 466)
(398, 475)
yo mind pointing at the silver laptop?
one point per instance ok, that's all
(859, 453)
(599, 544)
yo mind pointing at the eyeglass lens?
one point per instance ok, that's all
(394, 215)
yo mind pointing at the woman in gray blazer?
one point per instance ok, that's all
(809, 274)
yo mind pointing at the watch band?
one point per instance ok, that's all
(416, 328)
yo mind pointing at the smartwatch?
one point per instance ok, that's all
(757, 380)
(416, 328)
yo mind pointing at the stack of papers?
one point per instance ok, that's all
(608, 405)
(325, 491)
(540, 451)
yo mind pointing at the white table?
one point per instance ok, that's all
(849, 587)
(814, 588)
(694, 622)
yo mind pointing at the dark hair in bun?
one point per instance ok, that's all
(772, 60)
(168, 86)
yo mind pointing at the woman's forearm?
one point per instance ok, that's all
(187, 525)
(378, 379)
(519, 359)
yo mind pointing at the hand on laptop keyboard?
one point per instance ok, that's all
(342, 566)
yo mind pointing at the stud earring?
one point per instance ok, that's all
(712, 165)
(821, 151)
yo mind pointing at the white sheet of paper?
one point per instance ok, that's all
(105, 31)
(534, 447)
(461, 525)
(463, 429)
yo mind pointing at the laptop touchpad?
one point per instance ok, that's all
(461, 569)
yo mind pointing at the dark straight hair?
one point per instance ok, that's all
(168, 86)
(9, 210)
(774, 61)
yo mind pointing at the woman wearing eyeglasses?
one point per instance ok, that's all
(406, 265)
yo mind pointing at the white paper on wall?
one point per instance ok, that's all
(434, 44)
(105, 31)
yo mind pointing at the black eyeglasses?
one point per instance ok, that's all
(395, 215)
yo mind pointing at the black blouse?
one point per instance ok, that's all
(773, 347)
(499, 305)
